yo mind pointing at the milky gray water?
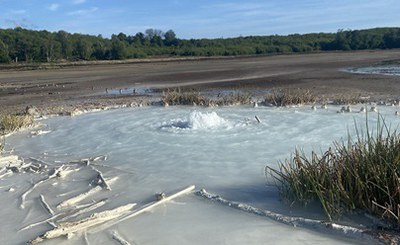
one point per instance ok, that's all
(224, 150)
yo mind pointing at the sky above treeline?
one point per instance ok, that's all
(200, 18)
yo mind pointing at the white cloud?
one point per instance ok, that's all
(78, 1)
(83, 11)
(54, 7)
(19, 11)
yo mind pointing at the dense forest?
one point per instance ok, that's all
(22, 45)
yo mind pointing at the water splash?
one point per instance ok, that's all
(198, 121)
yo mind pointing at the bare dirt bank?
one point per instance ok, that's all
(320, 73)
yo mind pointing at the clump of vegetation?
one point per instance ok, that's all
(11, 123)
(349, 100)
(2, 143)
(361, 175)
(235, 99)
(287, 97)
(178, 97)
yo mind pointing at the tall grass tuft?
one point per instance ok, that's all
(11, 123)
(238, 98)
(178, 97)
(287, 97)
(356, 175)
(2, 143)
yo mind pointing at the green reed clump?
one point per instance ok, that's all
(363, 175)
(178, 97)
(286, 97)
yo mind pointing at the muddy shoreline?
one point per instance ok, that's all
(56, 91)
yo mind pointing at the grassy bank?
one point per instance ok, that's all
(354, 175)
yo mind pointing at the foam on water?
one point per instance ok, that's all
(198, 121)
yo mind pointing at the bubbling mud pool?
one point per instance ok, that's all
(154, 149)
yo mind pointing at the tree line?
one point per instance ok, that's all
(22, 45)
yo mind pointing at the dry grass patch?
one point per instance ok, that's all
(287, 97)
(349, 100)
(238, 98)
(10, 123)
(178, 97)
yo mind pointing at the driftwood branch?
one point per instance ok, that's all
(46, 205)
(145, 208)
(41, 222)
(320, 225)
(117, 237)
(66, 228)
(56, 173)
(72, 201)
(92, 207)
(102, 180)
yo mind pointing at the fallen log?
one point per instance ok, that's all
(72, 201)
(102, 180)
(92, 207)
(46, 205)
(117, 237)
(66, 228)
(56, 173)
(319, 225)
(41, 222)
(145, 208)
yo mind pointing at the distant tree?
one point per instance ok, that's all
(151, 33)
(4, 54)
(170, 38)
(118, 49)
(342, 41)
(66, 46)
(392, 39)
(83, 49)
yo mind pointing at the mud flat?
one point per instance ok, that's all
(86, 84)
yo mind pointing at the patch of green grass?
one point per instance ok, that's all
(360, 175)
(287, 97)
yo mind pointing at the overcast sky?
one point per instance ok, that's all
(199, 18)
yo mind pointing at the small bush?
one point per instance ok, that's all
(287, 97)
(11, 123)
(178, 97)
(235, 99)
(363, 175)
(349, 100)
